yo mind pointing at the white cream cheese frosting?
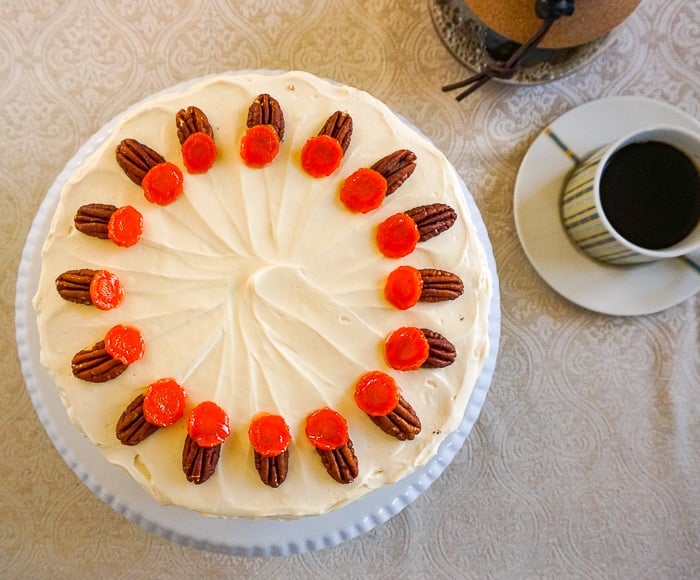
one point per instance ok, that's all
(258, 290)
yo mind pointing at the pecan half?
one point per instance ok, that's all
(272, 470)
(95, 365)
(441, 352)
(192, 120)
(338, 126)
(74, 285)
(132, 427)
(136, 159)
(396, 168)
(439, 285)
(92, 219)
(266, 110)
(402, 422)
(432, 219)
(199, 463)
(340, 463)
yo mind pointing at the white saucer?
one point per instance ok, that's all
(630, 290)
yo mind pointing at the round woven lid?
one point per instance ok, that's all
(516, 20)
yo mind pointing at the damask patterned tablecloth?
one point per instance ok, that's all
(585, 461)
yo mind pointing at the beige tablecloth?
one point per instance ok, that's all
(585, 461)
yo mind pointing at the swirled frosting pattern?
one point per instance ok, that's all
(258, 290)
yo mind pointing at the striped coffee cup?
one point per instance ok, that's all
(586, 221)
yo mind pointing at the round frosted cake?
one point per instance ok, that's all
(263, 295)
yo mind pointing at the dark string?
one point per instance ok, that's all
(501, 71)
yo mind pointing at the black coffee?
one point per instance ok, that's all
(650, 193)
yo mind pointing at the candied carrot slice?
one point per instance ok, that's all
(321, 156)
(106, 292)
(406, 349)
(198, 152)
(376, 393)
(208, 424)
(163, 183)
(397, 236)
(164, 402)
(125, 226)
(403, 287)
(326, 429)
(269, 434)
(259, 146)
(125, 343)
(363, 190)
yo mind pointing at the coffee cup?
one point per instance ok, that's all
(638, 199)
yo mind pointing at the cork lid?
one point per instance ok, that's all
(516, 20)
